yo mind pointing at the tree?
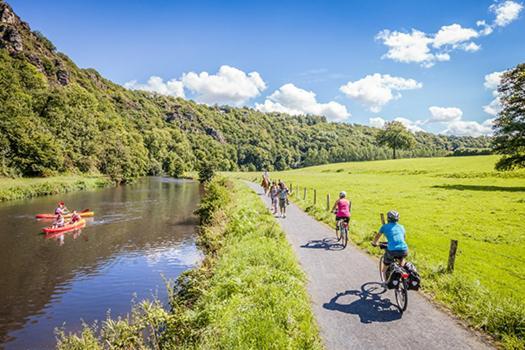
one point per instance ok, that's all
(396, 136)
(509, 126)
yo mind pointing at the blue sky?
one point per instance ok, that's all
(431, 54)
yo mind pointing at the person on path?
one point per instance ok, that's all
(266, 182)
(274, 197)
(283, 198)
(341, 209)
(395, 234)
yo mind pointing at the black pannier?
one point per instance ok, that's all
(414, 279)
(393, 276)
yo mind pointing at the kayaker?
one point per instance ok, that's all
(59, 221)
(61, 209)
(75, 217)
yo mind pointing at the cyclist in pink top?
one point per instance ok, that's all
(341, 209)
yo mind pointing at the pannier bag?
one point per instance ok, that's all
(393, 276)
(414, 279)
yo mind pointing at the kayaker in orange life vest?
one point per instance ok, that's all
(61, 209)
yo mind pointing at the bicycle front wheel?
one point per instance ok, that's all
(402, 296)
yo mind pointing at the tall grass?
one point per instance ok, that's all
(21, 188)
(248, 293)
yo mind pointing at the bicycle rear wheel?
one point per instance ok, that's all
(344, 236)
(401, 296)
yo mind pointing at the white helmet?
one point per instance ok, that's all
(342, 194)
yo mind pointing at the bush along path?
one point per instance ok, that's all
(352, 310)
(248, 293)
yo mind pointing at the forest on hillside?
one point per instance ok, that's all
(57, 118)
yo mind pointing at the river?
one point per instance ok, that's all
(139, 234)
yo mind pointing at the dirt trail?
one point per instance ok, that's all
(352, 310)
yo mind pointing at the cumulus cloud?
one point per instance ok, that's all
(469, 128)
(453, 34)
(412, 125)
(229, 86)
(376, 122)
(156, 84)
(426, 48)
(296, 101)
(506, 12)
(444, 114)
(376, 90)
(492, 81)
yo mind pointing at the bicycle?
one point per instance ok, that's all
(401, 287)
(341, 232)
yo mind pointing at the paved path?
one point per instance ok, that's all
(352, 310)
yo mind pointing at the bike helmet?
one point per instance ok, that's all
(342, 194)
(393, 216)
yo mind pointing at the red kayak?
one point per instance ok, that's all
(67, 227)
(86, 213)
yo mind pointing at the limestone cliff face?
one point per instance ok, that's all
(18, 39)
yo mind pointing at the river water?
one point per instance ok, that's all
(139, 234)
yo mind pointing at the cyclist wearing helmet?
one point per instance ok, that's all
(395, 235)
(341, 209)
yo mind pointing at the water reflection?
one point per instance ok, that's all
(138, 233)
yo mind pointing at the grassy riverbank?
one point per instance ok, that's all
(439, 199)
(248, 293)
(20, 188)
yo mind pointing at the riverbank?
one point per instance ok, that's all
(249, 291)
(21, 188)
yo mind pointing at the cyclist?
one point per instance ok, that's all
(341, 209)
(395, 235)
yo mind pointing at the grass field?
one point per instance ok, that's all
(439, 199)
(20, 188)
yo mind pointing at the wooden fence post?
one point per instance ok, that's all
(315, 196)
(452, 255)
(304, 194)
(328, 202)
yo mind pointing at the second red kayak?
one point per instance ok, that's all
(86, 213)
(67, 227)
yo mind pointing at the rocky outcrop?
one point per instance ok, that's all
(216, 134)
(7, 15)
(11, 39)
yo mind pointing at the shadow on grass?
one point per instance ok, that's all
(328, 243)
(366, 303)
(480, 188)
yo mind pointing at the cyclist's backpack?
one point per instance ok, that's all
(393, 276)
(414, 279)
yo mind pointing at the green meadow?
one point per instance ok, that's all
(439, 199)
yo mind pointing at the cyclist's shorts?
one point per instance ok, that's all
(344, 218)
(391, 255)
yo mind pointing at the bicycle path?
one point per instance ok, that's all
(352, 310)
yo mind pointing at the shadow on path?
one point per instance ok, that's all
(329, 243)
(480, 188)
(366, 303)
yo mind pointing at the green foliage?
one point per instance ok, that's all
(396, 136)
(509, 136)
(206, 172)
(440, 199)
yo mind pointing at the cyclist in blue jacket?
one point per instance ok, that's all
(395, 234)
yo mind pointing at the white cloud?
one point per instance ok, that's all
(469, 128)
(376, 122)
(444, 114)
(229, 86)
(407, 47)
(427, 48)
(296, 101)
(156, 84)
(411, 125)
(506, 12)
(376, 90)
(453, 35)
(492, 81)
